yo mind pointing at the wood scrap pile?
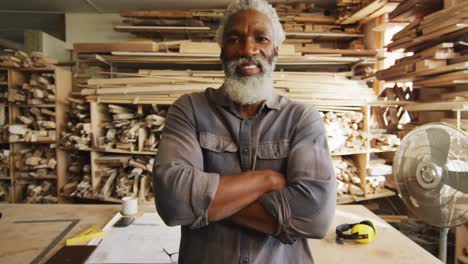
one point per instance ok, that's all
(412, 10)
(363, 11)
(77, 133)
(133, 128)
(4, 191)
(347, 176)
(425, 66)
(446, 25)
(376, 171)
(78, 176)
(37, 161)
(4, 163)
(382, 141)
(120, 176)
(35, 125)
(40, 89)
(4, 116)
(324, 90)
(43, 192)
(345, 131)
(20, 59)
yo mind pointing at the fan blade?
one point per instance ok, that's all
(439, 143)
(457, 180)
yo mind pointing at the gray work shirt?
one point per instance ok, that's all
(205, 137)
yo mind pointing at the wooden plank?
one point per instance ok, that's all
(161, 29)
(116, 46)
(199, 48)
(157, 13)
(307, 50)
(364, 12)
(437, 106)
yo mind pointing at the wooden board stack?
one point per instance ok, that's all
(38, 162)
(4, 163)
(43, 192)
(40, 89)
(132, 128)
(20, 59)
(347, 176)
(35, 125)
(324, 90)
(77, 133)
(78, 176)
(120, 176)
(4, 191)
(382, 141)
(363, 11)
(345, 132)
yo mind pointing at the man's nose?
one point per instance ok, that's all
(248, 48)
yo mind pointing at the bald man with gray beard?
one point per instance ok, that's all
(246, 172)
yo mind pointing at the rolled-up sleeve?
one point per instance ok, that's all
(183, 192)
(305, 208)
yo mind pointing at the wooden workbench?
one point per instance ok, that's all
(23, 242)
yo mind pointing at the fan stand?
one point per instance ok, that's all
(443, 244)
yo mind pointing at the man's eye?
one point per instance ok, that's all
(261, 39)
(232, 40)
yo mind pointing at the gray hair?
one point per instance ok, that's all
(259, 5)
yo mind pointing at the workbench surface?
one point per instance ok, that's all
(34, 242)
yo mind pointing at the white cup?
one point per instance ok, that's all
(129, 205)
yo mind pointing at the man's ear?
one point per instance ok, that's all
(276, 50)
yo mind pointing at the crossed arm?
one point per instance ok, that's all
(186, 195)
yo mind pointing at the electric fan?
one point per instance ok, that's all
(431, 171)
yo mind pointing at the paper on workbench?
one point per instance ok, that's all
(144, 241)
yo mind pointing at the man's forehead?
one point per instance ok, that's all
(248, 18)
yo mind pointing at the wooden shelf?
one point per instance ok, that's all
(325, 34)
(35, 142)
(36, 105)
(74, 149)
(52, 177)
(119, 151)
(346, 199)
(5, 178)
(344, 153)
(3, 83)
(36, 69)
(438, 106)
(373, 150)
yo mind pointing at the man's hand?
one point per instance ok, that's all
(237, 191)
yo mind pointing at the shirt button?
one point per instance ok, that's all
(245, 150)
(277, 154)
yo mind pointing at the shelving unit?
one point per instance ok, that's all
(37, 143)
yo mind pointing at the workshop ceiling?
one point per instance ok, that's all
(113, 6)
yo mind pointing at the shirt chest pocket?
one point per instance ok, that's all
(273, 155)
(219, 153)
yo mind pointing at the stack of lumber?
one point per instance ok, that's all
(442, 26)
(434, 62)
(4, 163)
(376, 171)
(41, 192)
(3, 122)
(4, 191)
(78, 176)
(382, 141)
(345, 132)
(77, 133)
(36, 125)
(40, 89)
(324, 90)
(132, 128)
(363, 11)
(35, 162)
(120, 176)
(20, 59)
(412, 10)
(347, 176)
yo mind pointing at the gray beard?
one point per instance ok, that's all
(248, 89)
